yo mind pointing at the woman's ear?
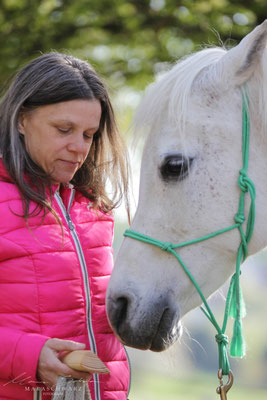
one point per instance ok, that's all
(21, 123)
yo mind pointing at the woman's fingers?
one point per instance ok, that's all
(66, 371)
(49, 365)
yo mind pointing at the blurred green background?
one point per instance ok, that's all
(129, 42)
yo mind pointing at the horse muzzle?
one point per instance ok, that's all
(150, 325)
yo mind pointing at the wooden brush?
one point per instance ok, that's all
(85, 360)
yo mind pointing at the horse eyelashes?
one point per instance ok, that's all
(175, 168)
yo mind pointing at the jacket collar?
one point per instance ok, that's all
(60, 188)
(3, 171)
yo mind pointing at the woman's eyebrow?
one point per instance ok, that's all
(62, 120)
(71, 123)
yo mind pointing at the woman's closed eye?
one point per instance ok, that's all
(91, 133)
(64, 130)
(88, 136)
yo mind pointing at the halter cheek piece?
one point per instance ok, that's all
(235, 306)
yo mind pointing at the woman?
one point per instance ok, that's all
(59, 146)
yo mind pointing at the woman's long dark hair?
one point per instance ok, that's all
(49, 79)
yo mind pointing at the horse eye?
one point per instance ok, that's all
(175, 167)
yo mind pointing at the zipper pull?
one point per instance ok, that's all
(70, 223)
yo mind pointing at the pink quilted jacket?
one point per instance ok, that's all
(51, 289)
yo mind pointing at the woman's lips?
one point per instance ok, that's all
(73, 164)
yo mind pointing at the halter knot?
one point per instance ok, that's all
(167, 246)
(243, 180)
(239, 218)
(222, 339)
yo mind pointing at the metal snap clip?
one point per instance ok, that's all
(224, 388)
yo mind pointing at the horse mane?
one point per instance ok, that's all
(169, 95)
(257, 94)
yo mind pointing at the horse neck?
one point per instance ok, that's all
(258, 161)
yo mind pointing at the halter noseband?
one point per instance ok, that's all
(235, 306)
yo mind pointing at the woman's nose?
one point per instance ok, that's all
(78, 144)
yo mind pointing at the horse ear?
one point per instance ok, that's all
(239, 63)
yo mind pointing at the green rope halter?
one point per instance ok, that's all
(235, 306)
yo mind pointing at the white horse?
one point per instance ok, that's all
(188, 188)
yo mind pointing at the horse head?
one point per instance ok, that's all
(192, 117)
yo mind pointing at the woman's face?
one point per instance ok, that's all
(58, 136)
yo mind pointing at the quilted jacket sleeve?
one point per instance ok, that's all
(19, 354)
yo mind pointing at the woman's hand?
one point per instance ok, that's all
(49, 365)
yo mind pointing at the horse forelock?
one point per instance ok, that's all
(168, 98)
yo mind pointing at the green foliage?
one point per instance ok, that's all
(127, 41)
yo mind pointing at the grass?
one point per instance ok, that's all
(148, 386)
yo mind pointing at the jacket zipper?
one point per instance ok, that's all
(80, 254)
(130, 371)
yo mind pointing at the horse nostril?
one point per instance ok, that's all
(122, 305)
(118, 312)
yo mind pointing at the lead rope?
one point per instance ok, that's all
(71, 389)
(235, 306)
(67, 389)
